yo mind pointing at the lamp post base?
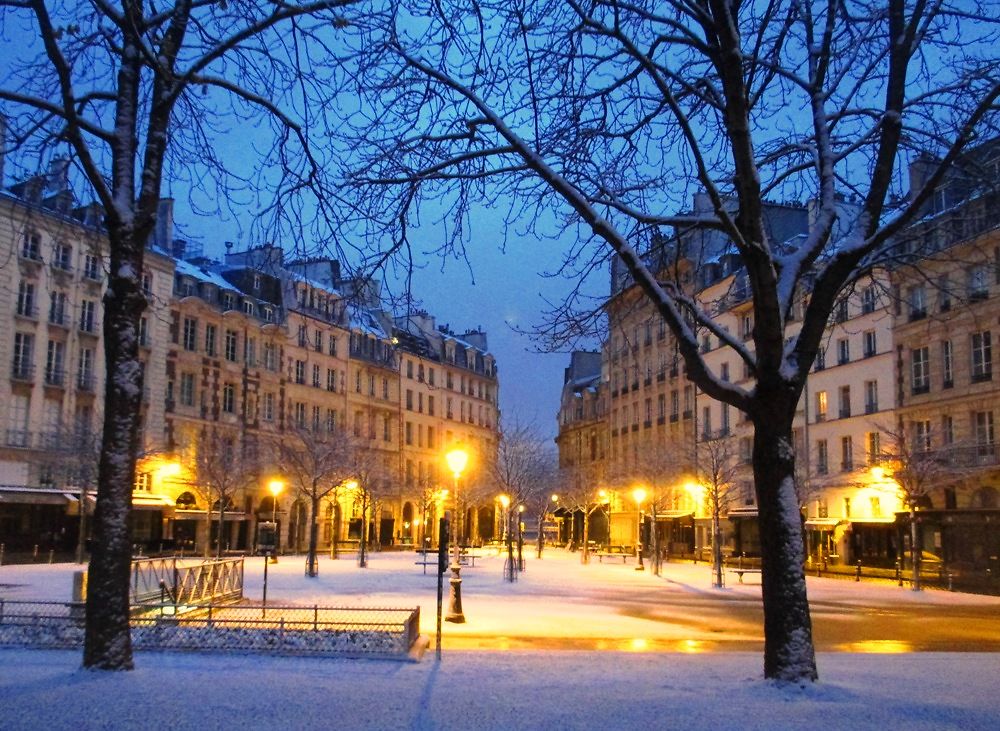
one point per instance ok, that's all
(455, 614)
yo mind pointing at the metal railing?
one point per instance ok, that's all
(184, 582)
(281, 630)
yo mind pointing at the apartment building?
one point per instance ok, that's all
(238, 353)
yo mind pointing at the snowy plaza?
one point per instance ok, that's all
(568, 646)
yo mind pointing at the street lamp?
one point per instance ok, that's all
(639, 495)
(275, 487)
(457, 459)
(505, 504)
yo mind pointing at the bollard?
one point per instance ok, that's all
(857, 571)
(2, 546)
(950, 587)
(899, 573)
(52, 555)
(34, 553)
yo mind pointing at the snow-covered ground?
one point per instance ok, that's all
(614, 683)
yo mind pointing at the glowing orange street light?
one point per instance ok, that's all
(457, 460)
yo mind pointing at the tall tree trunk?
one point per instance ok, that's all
(222, 526)
(81, 540)
(311, 561)
(789, 654)
(585, 556)
(107, 642)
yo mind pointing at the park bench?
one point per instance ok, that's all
(621, 552)
(739, 572)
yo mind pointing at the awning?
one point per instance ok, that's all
(151, 502)
(821, 523)
(674, 514)
(34, 496)
(873, 521)
(742, 513)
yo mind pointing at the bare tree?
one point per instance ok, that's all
(224, 469)
(717, 472)
(662, 472)
(612, 115)
(369, 479)
(136, 91)
(315, 463)
(521, 472)
(914, 468)
(72, 455)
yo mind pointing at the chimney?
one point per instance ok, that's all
(163, 233)
(58, 178)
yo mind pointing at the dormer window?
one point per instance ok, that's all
(228, 302)
(248, 307)
(32, 247)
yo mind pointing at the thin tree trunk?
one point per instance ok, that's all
(206, 550)
(81, 541)
(222, 526)
(107, 641)
(914, 550)
(789, 653)
(541, 538)
(311, 561)
(585, 557)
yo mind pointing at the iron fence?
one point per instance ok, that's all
(186, 581)
(279, 630)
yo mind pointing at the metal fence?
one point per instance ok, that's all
(278, 630)
(186, 581)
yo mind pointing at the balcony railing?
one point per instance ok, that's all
(55, 377)
(27, 311)
(19, 438)
(85, 382)
(58, 318)
(22, 371)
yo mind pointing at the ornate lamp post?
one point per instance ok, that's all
(505, 515)
(520, 538)
(639, 495)
(457, 459)
(275, 487)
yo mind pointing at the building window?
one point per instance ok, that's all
(947, 430)
(331, 420)
(944, 293)
(229, 398)
(23, 355)
(841, 311)
(267, 407)
(331, 345)
(57, 308)
(331, 379)
(820, 358)
(300, 415)
(88, 316)
(300, 372)
(315, 375)
(978, 283)
(984, 434)
(248, 308)
(190, 333)
(982, 357)
(822, 457)
(318, 341)
(920, 370)
(868, 297)
(26, 299)
(250, 352)
(144, 340)
(821, 406)
(843, 351)
(746, 327)
(846, 454)
(947, 364)
(873, 441)
(845, 401)
(922, 436)
(62, 257)
(210, 331)
(231, 345)
(270, 356)
(85, 374)
(870, 345)
(31, 247)
(871, 397)
(54, 363)
(918, 302)
(187, 389)
(385, 389)
(316, 420)
(303, 336)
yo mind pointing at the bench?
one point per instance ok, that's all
(615, 552)
(740, 571)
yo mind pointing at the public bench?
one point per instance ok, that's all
(621, 552)
(740, 571)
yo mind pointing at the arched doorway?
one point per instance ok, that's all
(487, 523)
